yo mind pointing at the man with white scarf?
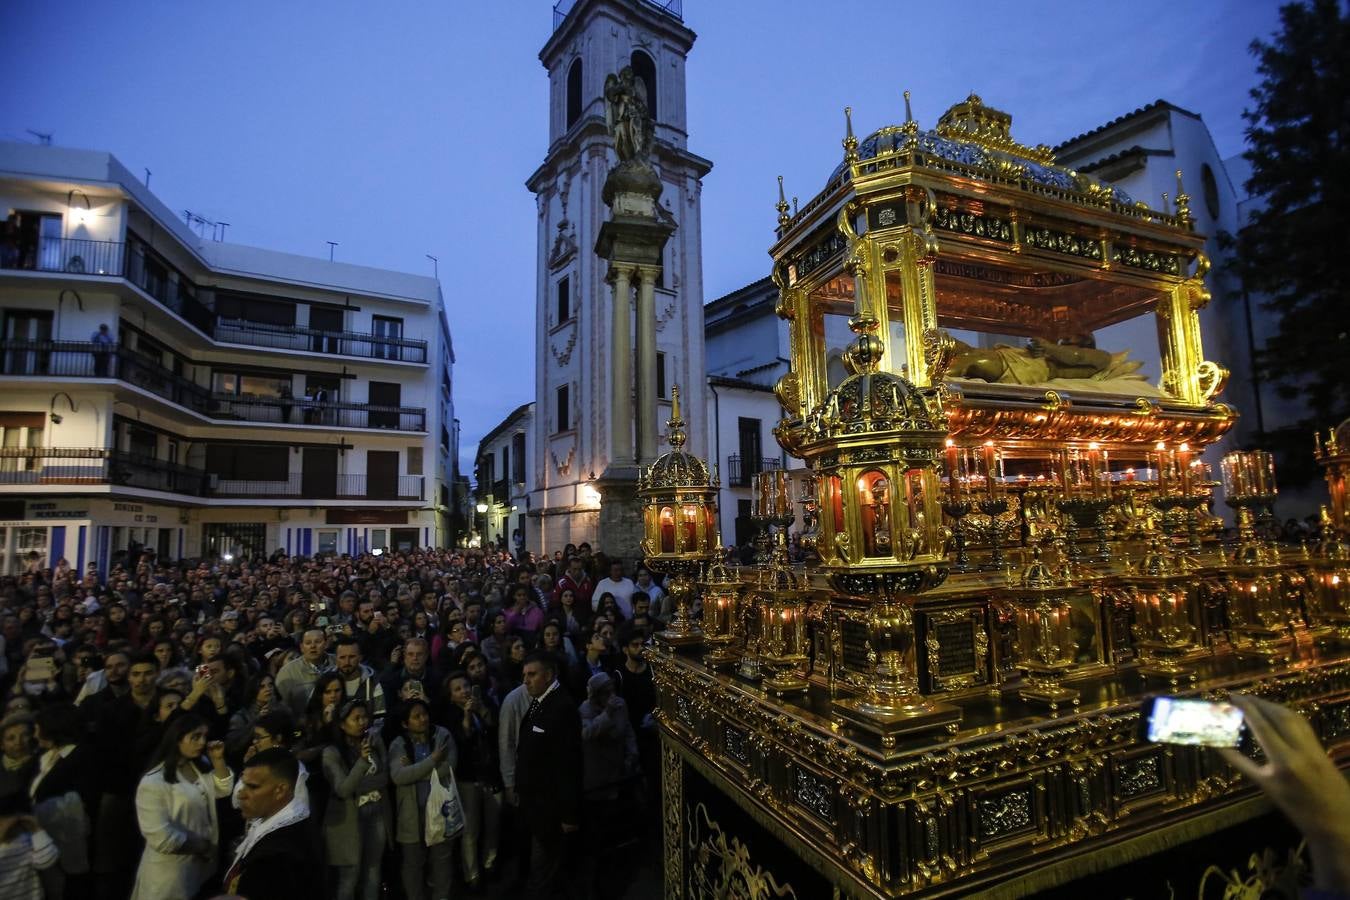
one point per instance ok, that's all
(279, 857)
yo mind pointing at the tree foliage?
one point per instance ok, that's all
(1294, 251)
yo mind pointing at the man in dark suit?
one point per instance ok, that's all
(548, 772)
(279, 858)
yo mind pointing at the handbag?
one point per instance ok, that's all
(445, 812)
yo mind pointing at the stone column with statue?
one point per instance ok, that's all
(631, 240)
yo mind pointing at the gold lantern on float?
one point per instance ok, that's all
(721, 611)
(679, 523)
(874, 443)
(1045, 607)
(1334, 457)
(1166, 624)
(779, 604)
(1253, 578)
(1331, 561)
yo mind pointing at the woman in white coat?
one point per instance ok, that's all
(176, 810)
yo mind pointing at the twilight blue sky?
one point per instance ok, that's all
(408, 127)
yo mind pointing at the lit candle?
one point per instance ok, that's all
(989, 467)
(953, 476)
(1184, 463)
(1094, 465)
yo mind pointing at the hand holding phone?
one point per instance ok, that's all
(39, 668)
(1194, 722)
(1300, 778)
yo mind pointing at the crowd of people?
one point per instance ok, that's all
(286, 727)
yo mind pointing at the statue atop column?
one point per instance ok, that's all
(632, 186)
(628, 115)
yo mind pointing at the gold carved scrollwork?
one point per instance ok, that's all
(1211, 379)
(938, 350)
(672, 787)
(1267, 876)
(720, 865)
(979, 644)
(788, 391)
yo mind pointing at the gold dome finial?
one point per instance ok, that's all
(675, 424)
(1183, 200)
(850, 142)
(782, 205)
(910, 127)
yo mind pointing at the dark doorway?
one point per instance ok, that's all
(35, 327)
(388, 395)
(318, 478)
(750, 446)
(381, 474)
(162, 544)
(326, 319)
(236, 539)
(403, 539)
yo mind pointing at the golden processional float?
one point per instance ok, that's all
(1010, 539)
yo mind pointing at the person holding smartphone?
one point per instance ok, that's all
(355, 825)
(1305, 784)
(420, 749)
(473, 727)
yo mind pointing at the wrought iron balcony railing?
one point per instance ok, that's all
(341, 343)
(143, 268)
(83, 359)
(307, 486)
(741, 469)
(71, 466)
(78, 256)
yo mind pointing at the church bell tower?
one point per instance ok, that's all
(574, 444)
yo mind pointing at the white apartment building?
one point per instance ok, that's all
(746, 347)
(502, 497)
(198, 398)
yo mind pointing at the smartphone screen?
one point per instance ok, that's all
(1174, 720)
(40, 668)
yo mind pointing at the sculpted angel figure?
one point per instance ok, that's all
(628, 116)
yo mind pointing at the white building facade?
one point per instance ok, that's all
(502, 494)
(240, 400)
(746, 346)
(1140, 152)
(571, 432)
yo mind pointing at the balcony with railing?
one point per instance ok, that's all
(311, 340)
(75, 256)
(307, 486)
(740, 469)
(83, 359)
(73, 466)
(147, 270)
(69, 467)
